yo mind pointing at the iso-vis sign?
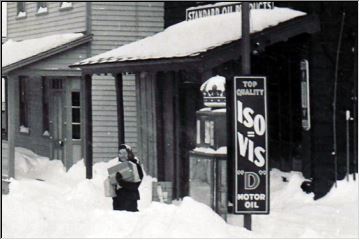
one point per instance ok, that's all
(251, 146)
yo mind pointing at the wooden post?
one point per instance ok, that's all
(120, 108)
(245, 64)
(11, 108)
(86, 119)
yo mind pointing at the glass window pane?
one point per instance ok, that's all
(20, 7)
(76, 131)
(76, 115)
(75, 99)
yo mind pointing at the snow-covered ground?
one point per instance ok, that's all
(45, 201)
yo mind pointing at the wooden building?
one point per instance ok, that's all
(45, 98)
(292, 147)
(168, 82)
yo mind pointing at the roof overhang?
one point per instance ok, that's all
(282, 32)
(43, 55)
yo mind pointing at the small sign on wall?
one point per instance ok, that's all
(305, 95)
(251, 146)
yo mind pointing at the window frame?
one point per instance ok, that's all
(45, 106)
(23, 104)
(39, 6)
(77, 107)
(4, 131)
(19, 11)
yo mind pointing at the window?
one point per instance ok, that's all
(65, 5)
(56, 84)
(42, 7)
(45, 107)
(23, 103)
(75, 107)
(3, 108)
(21, 11)
(209, 132)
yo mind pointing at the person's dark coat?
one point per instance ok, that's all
(127, 196)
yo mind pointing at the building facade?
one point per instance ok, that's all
(169, 87)
(292, 147)
(48, 110)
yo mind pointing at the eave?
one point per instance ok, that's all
(7, 69)
(214, 57)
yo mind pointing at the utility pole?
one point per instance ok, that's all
(245, 64)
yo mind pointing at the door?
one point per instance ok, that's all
(57, 120)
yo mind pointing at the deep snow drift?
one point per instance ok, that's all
(62, 204)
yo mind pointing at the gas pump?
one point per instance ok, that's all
(208, 169)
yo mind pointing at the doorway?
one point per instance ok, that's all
(57, 119)
(65, 120)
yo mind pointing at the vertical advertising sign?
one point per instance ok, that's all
(251, 146)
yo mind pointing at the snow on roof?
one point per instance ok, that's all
(15, 51)
(218, 81)
(191, 38)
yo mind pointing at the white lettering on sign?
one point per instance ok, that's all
(244, 116)
(246, 145)
(222, 8)
(251, 196)
(252, 181)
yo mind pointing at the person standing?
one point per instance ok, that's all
(127, 193)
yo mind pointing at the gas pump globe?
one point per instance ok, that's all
(208, 182)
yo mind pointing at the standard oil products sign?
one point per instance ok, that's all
(222, 8)
(251, 146)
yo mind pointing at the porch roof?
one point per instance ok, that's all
(189, 42)
(16, 54)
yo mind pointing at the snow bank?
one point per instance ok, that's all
(45, 201)
(190, 38)
(15, 51)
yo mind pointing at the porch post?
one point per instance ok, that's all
(120, 107)
(245, 65)
(86, 119)
(11, 108)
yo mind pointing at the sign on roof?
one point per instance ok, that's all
(222, 8)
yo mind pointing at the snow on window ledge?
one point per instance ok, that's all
(46, 133)
(24, 130)
(209, 150)
(21, 15)
(42, 10)
(66, 5)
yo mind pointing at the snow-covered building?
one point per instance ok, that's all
(45, 98)
(171, 66)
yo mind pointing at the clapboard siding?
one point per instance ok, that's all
(4, 158)
(103, 109)
(63, 60)
(55, 21)
(118, 23)
(113, 25)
